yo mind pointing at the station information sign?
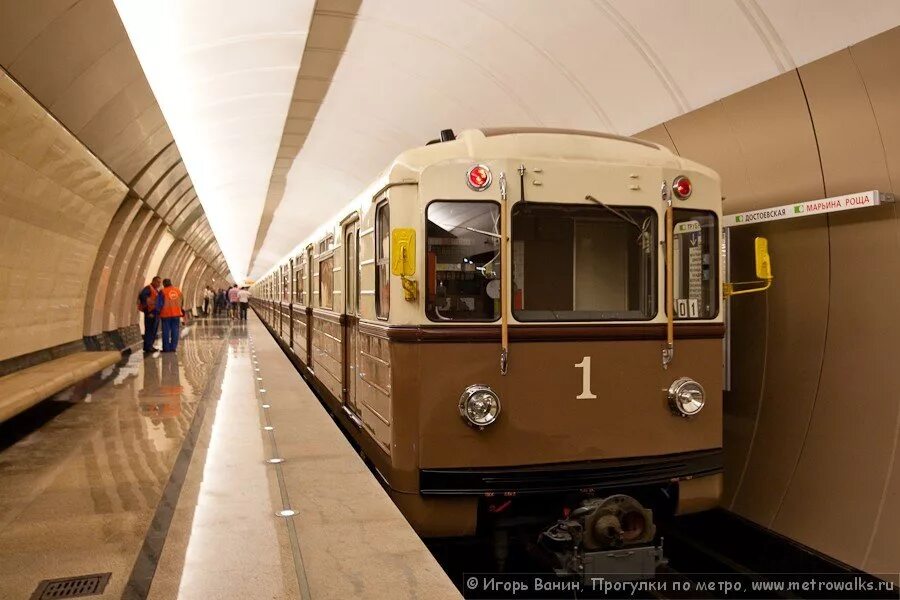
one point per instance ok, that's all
(812, 207)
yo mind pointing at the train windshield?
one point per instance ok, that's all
(696, 260)
(583, 263)
(463, 250)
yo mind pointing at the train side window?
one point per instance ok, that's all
(463, 261)
(293, 296)
(696, 254)
(298, 280)
(326, 280)
(382, 261)
(583, 262)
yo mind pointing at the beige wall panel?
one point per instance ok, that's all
(140, 141)
(153, 171)
(24, 21)
(185, 196)
(181, 276)
(160, 250)
(849, 140)
(151, 239)
(116, 115)
(176, 251)
(107, 255)
(793, 343)
(189, 218)
(770, 122)
(125, 310)
(833, 499)
(171, 191)
(112, 319)
(97, 86)
(658, 135)
(56, 202)
(705, 136)
(74, 40)
(878, 60)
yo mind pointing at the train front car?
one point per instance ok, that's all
(530, 382)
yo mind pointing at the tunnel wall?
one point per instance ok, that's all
(91, 182)
(813, 417)
(56, 202)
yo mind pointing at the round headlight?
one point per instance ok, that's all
(479, 406)
(686, 397)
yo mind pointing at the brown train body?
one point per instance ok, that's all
(567, 428)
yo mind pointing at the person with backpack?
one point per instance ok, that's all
(147, 303)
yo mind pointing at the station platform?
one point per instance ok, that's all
(157, 480)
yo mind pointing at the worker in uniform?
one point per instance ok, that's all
(171, 314)
(147, 304)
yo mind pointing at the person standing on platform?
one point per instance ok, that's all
(171, 314)
(147, 304)
(244, 299)
(207, 299)
(221, 302)
(233, 301)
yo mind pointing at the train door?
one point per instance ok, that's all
(292, 299)
(309, 304)
(351, 309)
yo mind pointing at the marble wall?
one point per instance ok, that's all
(56, 203)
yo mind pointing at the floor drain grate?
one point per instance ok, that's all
(71, 587)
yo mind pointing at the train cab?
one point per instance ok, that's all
(513, 324)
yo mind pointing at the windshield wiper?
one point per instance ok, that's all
(621, 215)
(482, 232)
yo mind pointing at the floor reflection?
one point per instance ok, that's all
(81, 473)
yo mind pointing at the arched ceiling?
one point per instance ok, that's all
(413, 67)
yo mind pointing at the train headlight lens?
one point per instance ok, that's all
(479, 406)
(686, 397)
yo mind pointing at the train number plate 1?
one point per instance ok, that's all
(585, 366)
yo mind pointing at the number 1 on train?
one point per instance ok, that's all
(585, 366)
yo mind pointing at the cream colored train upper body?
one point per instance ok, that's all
(560, 167)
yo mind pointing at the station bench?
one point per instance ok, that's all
(25, 388)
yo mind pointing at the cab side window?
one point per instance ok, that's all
(382, 261)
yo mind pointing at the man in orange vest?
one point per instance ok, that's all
(147, 304)
(171, 314)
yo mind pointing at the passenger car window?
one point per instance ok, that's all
(583, 262)
(463, 261)
(326, 280)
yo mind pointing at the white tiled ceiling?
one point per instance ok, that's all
(413, 67)
(223, 73)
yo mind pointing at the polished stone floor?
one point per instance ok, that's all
(157, 472)
(82, 478)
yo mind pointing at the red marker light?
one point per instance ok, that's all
(681, 186)
(479, 178)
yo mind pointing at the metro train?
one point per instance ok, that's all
(522, 326)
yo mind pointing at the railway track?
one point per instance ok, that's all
(710, 555)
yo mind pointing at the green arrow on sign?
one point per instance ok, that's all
(798, 208)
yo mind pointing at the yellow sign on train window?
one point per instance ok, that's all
(403, 252)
